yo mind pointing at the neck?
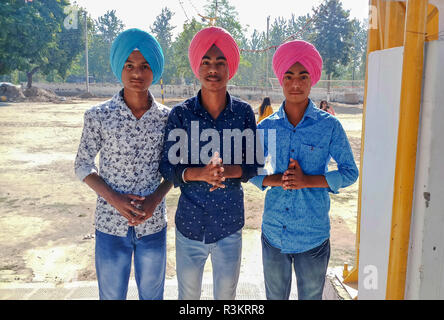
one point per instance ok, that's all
(214, 101)
(138, 101)
(295, 111)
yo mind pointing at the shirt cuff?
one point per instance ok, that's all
(179, 170)
(334, 180)
(83, 172)
(257, 181)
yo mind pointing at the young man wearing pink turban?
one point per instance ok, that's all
(296, 224)
(210, 212)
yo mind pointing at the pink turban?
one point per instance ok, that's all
(204, 40)
(297, 51)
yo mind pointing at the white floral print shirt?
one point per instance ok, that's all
(130, 152)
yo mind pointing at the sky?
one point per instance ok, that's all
(252, 13)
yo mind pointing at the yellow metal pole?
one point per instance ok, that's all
(412, 73)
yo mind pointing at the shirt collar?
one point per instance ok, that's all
(124, 109)
(198, 106)
(311, 111)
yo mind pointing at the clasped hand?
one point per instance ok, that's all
(293, 178)
(135, 208)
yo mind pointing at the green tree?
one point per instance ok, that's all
(300, 27)
(109, 26)
(252, 71)
(332, 35)
(34, 37)
(227, 18)
(105, 30)
(180, 52)
(163, 31)
(358, 49)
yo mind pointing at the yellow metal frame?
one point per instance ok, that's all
(421, 20)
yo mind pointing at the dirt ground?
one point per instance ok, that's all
(46, 214)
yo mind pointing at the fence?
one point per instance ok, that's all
(343, 91)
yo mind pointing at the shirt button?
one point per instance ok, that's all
(292, 150)
(286, 209)
(284, 227)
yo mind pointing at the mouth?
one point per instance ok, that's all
(296, 93)
(136, 81)
(212, 79)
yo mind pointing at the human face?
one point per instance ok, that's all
(137, 74)
(296, 84)
(213, 70)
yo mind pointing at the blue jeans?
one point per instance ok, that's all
(310, 268)
(113, 264)
(191, 256)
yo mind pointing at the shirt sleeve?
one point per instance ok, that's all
(340, 150)
(258, 179)
(89, 147)
(249, 170)
(170, 170)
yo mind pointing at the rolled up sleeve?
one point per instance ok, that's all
(340, 150)
(89, 147)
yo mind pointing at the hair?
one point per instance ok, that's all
(322, 102)
(266, 102)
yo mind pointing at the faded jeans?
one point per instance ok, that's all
(191, 256)
(310, 268)
(113, 264)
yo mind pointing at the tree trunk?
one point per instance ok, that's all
(29, 75)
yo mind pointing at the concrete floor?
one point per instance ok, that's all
(87, 290)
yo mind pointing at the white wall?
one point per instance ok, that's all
(425, 271)
(378, 171)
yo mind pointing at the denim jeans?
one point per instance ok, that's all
(191, 256)
(113, 256)
(310, 268)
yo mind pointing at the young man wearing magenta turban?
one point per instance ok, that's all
(296, 224)
(128, 132)
(210, 212)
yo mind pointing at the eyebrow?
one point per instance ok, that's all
(302, 72)
(128, 60)
(218, 58)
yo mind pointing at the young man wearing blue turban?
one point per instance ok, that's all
(128, 132)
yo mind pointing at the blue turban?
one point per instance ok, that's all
(131, 39)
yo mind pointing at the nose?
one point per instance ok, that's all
(212, 68)
(296, 84)
(137, 72)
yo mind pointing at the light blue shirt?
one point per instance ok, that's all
(297, 220)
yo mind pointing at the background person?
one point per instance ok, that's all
(265, 109)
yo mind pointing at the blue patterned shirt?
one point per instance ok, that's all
(297, 220)
(202, 214)
(130, 151)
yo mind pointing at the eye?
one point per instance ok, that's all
(146, 67)
(287, 77)
(129, 66)
(205, 62)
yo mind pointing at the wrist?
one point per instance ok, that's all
(111, 197)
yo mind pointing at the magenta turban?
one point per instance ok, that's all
(204, 40)
(297, 51)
